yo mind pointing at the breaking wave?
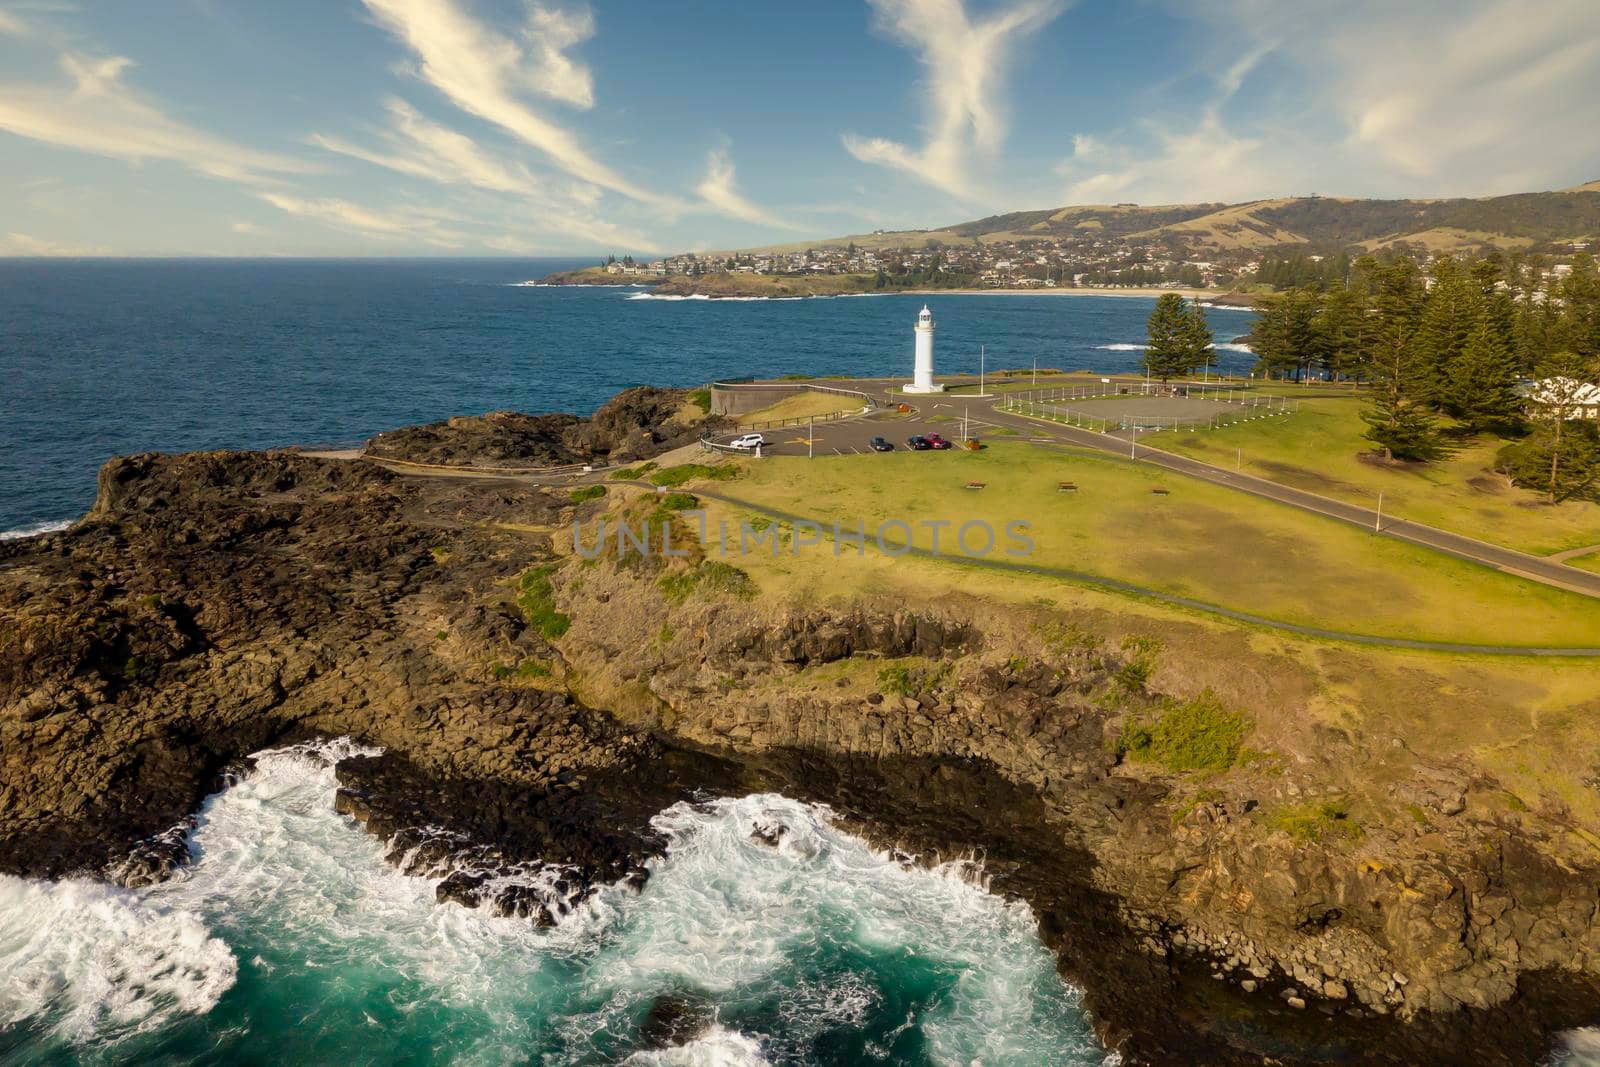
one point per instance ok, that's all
(290, 937)
(54, 526)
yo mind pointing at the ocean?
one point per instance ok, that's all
(104, 357)
(288, 938)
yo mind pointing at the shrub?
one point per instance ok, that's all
(537, 599)
(709, 576)
(532, 668)
(688, 472)
(634, 473)
(1197, 735)
(586, 493)
(701, 398)
(896, 681)
(677, 502)
(1310, 823)
(440, 553)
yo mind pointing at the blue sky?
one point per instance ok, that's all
(525, 127)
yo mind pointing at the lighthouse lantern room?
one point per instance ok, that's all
(922, 372)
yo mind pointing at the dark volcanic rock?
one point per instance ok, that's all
(635, 424)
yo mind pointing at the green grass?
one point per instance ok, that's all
(586, 493)
(1317, 449)
(708, 577)
(1202, 541)
(1199, 734)
(633, 474)
(1590, 562)
(701, 398)
(536, 598)
(1310, 823)
(689, 472)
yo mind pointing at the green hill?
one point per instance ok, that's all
(1520, 220)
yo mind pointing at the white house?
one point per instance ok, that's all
(1582, 397)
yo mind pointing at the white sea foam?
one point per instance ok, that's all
(54, 526)
(719, 299)
(1122, 348)
(1579, 1048)
(311, 908)
(103, 963)
(716, 1047)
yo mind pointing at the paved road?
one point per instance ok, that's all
(852, 434)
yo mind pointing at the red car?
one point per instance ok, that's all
(935, 441)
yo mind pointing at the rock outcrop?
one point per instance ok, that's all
(213, 604)
(635, 424)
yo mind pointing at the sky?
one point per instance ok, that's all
(534, 128)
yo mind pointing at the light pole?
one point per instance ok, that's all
(1036, 372)
(811, 437)
(1133, 442)
(1377, 523)
(982, 351)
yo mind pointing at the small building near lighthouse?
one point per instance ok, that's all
(922, 370)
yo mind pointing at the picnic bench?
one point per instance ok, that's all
(1160, 490)
(976, 485)
(1067, 487)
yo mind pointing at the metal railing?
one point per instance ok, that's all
(1241, 409)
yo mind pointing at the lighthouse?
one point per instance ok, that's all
(922, 375)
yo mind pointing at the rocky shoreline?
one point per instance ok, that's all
(213, 604)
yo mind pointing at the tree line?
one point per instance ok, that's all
(1454, 350)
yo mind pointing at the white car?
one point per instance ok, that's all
(749, 440)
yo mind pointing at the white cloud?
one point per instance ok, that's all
(719, 189)
(965, 61)
(483, 72)
(11, 25)
(97, 113)
(410, 224)
(1206, 162)
(420, 148)
(250, 229)
(21, 244)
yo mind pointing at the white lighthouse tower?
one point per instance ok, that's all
(922, 375)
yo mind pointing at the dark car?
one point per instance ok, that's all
(935, 441)
(878, 444)
(918, 443)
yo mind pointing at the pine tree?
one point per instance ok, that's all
(1171, 339)
(1449, 312)
(1398, 420)
(1482, 384)
(1573, 456)
(1199, 338)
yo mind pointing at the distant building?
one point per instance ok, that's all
(1582, 398)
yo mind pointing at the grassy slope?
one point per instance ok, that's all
(1317, 449)
(1332, 709)
(1201, 541)
(1588, 563)
(801, 405)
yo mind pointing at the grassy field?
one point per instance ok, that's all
(1532, 723)
(802, 405)
(1586, 563)
(1198, 540)
(1318, 449)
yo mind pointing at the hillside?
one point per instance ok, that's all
(1520, 220)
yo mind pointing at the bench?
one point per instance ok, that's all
(976, 485)
(1067, 487)
(1160, 490)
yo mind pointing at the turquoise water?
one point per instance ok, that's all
(99, 358)
(289, 939)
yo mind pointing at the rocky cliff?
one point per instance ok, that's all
(211, 604)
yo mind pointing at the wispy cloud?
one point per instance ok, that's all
(11, 24)
(719, 189)
(965, 61)
(485, 73)
(418, 147)
(250, 229)
(21, 244)
(96, 112)
(341, 214)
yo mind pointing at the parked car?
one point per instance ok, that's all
(935, 441)
(878, 444)
(749, 440)
(918, 443)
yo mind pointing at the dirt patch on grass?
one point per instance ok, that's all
(1487, 483)
(1302, 478)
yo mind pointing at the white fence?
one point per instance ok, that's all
(1241, 407)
